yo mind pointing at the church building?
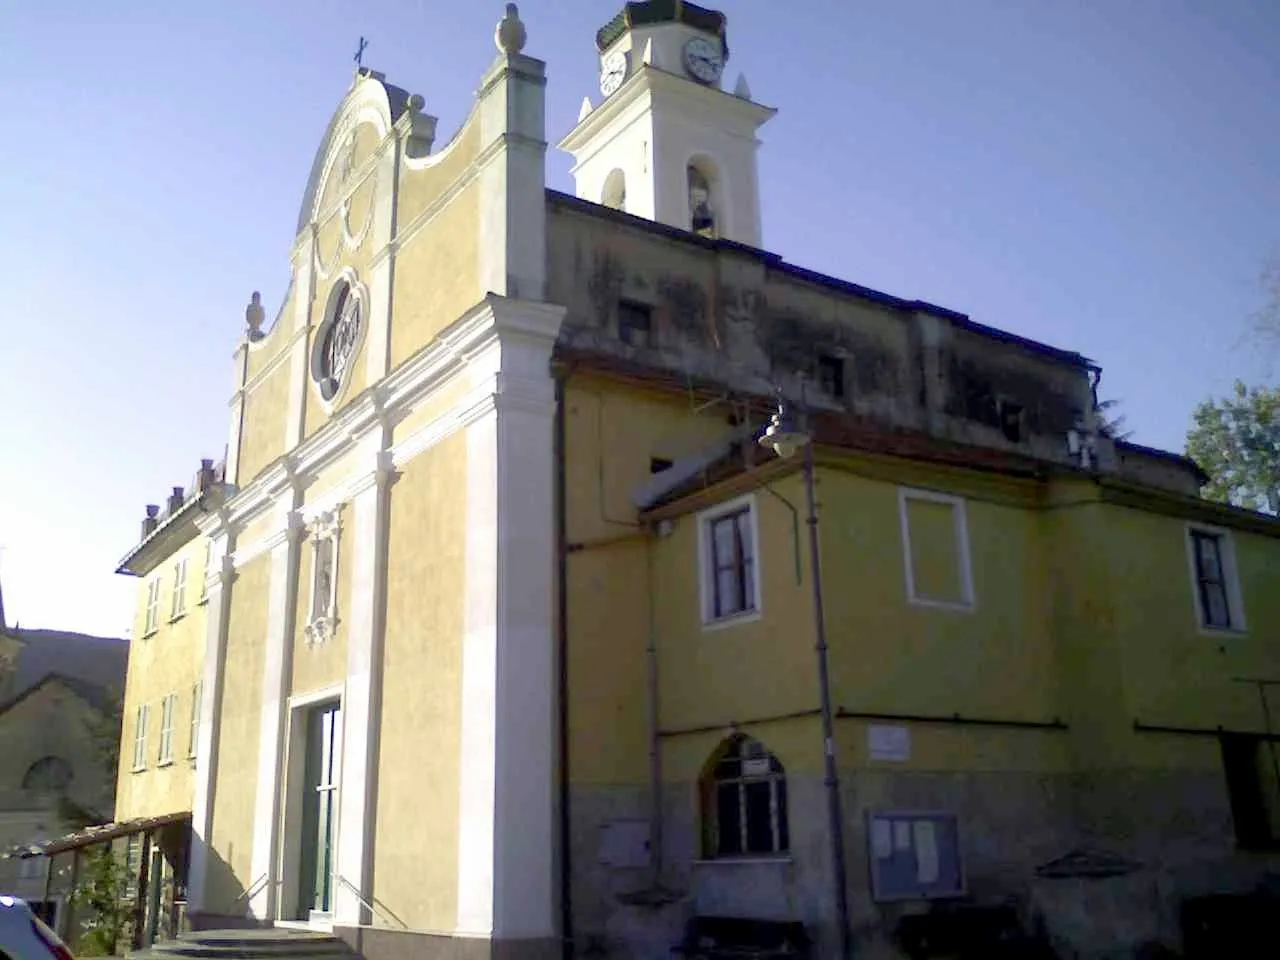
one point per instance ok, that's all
(518, 635)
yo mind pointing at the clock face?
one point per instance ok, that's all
(613, 70)
(704, 59)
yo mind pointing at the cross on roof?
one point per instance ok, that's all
(359, 57)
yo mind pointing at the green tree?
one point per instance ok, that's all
(1236, 439)
(100, 897)
(1266, 322)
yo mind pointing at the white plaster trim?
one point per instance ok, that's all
(706, 575)
(276, 676)
(206, 760)
(1231, 578)
(405, 234)
(326, 528)
(357, 807)
(293, 774)
(961, 528)
(360, 293)
(478, 740)
(433, 159)
(366, 103)
(310, 698)
(507, 753)
(271, 365)
(415, 381)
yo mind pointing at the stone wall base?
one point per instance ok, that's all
(378, 943)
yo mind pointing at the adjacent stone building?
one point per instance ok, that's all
(60, 696)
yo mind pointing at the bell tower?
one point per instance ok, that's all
(668, 142)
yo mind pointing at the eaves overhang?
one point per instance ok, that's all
(176, 530)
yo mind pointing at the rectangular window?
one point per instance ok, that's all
(166, 728)
(140, 738)
(730, 577)
(179, 589)
(204, 576)
(935, 546)
(831, 376)
(1252, 768)
(193, 742)
(153, 607)
(1213, 579)
(635, 323)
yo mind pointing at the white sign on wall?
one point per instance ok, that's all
(889, 743)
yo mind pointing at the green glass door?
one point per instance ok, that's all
(319, 813)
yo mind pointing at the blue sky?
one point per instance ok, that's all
(1097, 174)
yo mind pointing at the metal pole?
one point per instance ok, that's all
(831, 779)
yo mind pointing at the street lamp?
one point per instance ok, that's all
(784, 436)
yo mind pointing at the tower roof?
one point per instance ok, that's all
(662, 11)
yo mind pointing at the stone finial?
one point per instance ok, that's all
(585, 109)
(510, 35)
(741, 89)
(417, 102)
(254, 316)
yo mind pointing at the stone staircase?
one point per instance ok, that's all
(271, 944)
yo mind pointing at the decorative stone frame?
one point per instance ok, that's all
(325, 534)
(356, 290)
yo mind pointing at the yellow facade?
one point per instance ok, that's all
(166, 659)
(422, 693)
(239, 719)
(506, 584)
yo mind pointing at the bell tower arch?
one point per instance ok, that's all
(668, 142)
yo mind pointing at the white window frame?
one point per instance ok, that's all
(141, 716)
(165, 755)
(706, 564)
(1230, 576)
(326, 529)
(152, 620)
(178, 605)
(961, 520)
(204, 577)
(194, 742)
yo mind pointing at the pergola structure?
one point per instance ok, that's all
(168, 833)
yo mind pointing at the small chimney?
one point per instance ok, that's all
(205, 478)
(150, 521)
(175, 501)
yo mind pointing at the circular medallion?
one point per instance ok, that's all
(337, 342)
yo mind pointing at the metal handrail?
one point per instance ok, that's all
(384, 913)
(256, 887)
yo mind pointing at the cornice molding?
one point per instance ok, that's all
(529, 328)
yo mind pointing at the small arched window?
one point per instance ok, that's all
(47, 775)
(615, 190)
(744, 802)
(702, 201)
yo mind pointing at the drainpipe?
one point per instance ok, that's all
(562, 657)
(655, 745)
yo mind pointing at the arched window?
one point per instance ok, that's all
(744, 801)
(615, 190)
(47, 775)
(702, 200)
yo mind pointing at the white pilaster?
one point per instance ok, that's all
(382, 271)
(217, 620)
(366, 616)
(513, 205)
(507, 825)
(303, 294)
(241, 358)
(276, 673)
